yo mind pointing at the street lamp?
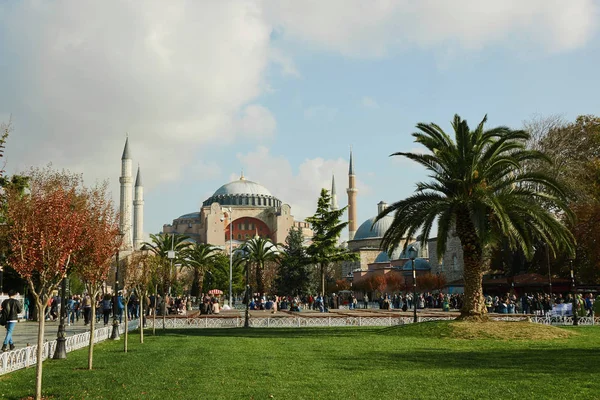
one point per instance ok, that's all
(230, 212)
(115, 326)
(549, 274)
(573, 290)
(412, 254)
(170, 256)
(61, 337)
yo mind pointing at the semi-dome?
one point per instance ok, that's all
(368, 230)
(243, 192)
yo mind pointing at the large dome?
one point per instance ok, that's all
(369, 231)
(243, 193)
(242, 186)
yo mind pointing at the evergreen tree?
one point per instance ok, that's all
(294, 275)
(327, 228)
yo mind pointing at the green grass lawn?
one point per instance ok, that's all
(410, 362)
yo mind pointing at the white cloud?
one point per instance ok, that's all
(175, 76)
(300, 189)
(372, 28)
(257, 122)
(369, 102)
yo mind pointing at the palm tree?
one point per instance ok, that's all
(160, 245)
(259, 251)
(482, 189)
(199, 257)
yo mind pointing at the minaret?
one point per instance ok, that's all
(351, 199)
(138, 212)
(334, 203)
(126, 200)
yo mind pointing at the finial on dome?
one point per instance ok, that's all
(242, 176)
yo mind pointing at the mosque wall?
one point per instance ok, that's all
(452, 263)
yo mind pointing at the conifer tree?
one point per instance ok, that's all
(327, 228)
(294, 275)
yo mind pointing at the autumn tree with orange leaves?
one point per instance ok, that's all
(101, 240)
(44, 230)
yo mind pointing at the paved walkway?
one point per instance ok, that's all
(26, 332)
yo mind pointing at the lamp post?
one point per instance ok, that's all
(549, 274)
(573, 290)
(230, 212)
(115, 325)
(412, 254)
(170, 256)
(61, 338)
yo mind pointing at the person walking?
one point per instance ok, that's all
(11, 308)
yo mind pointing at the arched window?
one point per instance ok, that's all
(454, 263)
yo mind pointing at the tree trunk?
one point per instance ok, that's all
(473, 308)
(154, 311)
(322, 279)
(92, 331)
(260, 286)
(144, 311)
(41, 309)
(125, 311)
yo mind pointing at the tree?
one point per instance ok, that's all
(100, 242)
(160, 245)
(258, 252)
(574, 148)
(294, 273)
(481, 190)
(327, 228)
(44, 230)
(199, 257)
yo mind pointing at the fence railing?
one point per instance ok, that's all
(22, 358)
(25, 357)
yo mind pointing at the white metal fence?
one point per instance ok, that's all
(25, 357)
(22, 358)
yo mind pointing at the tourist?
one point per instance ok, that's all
(87, 308)
(106, 305)
(11, 308)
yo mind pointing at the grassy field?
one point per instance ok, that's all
(409, 362)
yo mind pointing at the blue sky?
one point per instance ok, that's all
(280, 89)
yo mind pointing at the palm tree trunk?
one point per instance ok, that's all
(260, 288)
(473, 308)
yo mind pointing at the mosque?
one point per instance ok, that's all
(242, 209)
(238, 211)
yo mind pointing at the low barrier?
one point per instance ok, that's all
(27, 356)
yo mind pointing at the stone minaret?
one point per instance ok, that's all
(138, 212)
(334, 203)
(351, 200)
(126, 198)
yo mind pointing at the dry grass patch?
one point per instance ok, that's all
(507, 331)
(495, 330)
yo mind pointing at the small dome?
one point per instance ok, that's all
(242, 186)
(190, 215)
(397, 254)
(382, 257)
(369, 231)
(421, 264)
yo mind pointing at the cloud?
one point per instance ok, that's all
(257, 122)
(300, 189)
(176, 76)
(373, 28)
(369, 102)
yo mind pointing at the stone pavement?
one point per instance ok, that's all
(26, 331)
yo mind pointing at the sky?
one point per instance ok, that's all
(279, 89)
